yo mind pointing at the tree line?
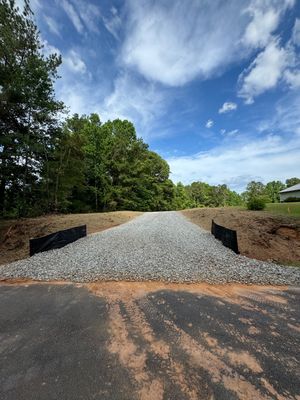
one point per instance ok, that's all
(50, 162)
(269, 192)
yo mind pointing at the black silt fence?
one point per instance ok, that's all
(227, 236)
(56, 240)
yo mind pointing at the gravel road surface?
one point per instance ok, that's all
(155, 246)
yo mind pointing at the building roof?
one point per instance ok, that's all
(291, 189)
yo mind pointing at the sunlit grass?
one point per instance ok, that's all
(290, 209)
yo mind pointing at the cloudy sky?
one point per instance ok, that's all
(212, 86)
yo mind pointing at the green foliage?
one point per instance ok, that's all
(288, 209)
(64, 169)
(111, 170)
(291, 200)
(257, 203)
(253, 190)
(28, 112)
(272, 190)
(292, 181)
(202, 194)
(234, 199)
(181, 197)
(199, 193)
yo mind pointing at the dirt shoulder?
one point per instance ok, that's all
(15, 234)
(260, 235)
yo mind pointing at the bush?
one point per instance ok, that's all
(256, 203)
(291, 200)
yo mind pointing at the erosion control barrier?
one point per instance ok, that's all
(56, 240)
(227, 236)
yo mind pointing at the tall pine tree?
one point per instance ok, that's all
(28, 109)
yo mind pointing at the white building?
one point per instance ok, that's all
(293, 191)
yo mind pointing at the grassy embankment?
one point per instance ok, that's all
(288, 209)
(284, 209)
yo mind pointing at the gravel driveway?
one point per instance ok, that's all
(155, 246)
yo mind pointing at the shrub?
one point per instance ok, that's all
(256, 203)
(291, 200)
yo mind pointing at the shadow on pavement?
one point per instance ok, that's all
(125, 342)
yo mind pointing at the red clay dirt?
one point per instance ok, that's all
(15, 234)
(261, 235)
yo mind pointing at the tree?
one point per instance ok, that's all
(254, 189)
(139, 178)
(152, 186)
(199, 193)
(181, 198)
(125, 154)
(234, 199)
(272, 190)
(28, 112)
(114, 170)
(256, 203)
(219, 195)
(291, 182)
(202, 194)
(96, 150)
(64, 169)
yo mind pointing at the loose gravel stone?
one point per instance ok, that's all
(161, 246)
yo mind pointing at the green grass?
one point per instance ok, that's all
(289, 263)
(288, 209)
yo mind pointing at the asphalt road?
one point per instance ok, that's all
(148, 341)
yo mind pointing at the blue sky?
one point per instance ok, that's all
(212, 86)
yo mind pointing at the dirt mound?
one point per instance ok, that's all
(260, 235)
(15, 234)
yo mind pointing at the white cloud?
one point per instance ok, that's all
(258, 32)
(89, 13)
(113, 10)
(48, 49)
(296, 32)
(265, 17)
(177, 41)
(234, 132)
(287, 114)
(52, 24)
(227, 107)
(34, 5)
(137, 101)
(77, 96)
(74, 62)
(264, 72)
(20, 4)
(74, 100)
(292, 78)
(209, 124)
(274, 65)
(268, 158)
(84, 16)
(113, 23)
(73, 15)
(175, 44)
